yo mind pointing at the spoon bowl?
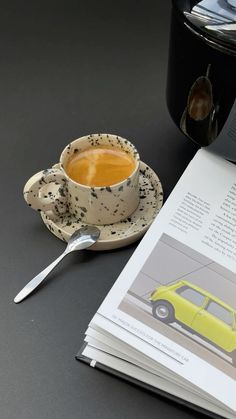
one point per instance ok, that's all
(83, 238)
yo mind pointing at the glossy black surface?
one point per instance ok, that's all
(68, 69)
(213, 20)
(194, 65)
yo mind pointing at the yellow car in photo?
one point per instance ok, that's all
(199, 312)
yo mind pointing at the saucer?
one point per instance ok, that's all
(124, 232)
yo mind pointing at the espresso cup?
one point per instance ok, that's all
(98, 205)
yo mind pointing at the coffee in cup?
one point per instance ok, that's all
(100, 166)
(97, 178)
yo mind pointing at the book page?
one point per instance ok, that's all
(175, 299)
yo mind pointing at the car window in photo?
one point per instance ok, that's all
(220, 312)
(191, 295)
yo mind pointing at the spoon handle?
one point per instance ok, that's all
(37, 280)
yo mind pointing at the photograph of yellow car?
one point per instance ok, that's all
(198, 311)
(189, 299)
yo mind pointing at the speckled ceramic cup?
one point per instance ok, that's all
(94, 205)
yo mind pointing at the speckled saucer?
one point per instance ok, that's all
(124, 232)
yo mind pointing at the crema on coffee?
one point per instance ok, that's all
(100, 166)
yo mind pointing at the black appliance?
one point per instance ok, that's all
(201, 84)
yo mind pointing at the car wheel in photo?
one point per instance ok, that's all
(164, 311)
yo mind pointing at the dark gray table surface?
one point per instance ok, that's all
(68, 69)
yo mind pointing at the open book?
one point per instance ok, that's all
(169, 321)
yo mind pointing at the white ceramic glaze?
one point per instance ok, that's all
(121, 233)
(93, 205)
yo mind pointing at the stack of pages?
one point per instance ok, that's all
(169, 321)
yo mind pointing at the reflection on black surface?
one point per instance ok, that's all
(217, 18)
(221, 10)
(201, 86)
(200, 99)
(198, 120)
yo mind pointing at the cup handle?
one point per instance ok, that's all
(57, 203)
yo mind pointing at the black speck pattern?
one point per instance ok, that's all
(40, 196)
(120, 233)
(93, 193)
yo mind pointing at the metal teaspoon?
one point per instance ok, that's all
(80, 239)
